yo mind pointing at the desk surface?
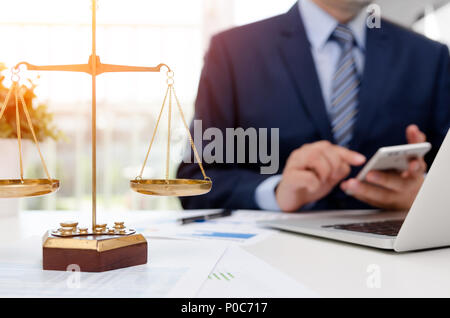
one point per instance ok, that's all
(331, 269)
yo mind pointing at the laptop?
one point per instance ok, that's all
(426, 225)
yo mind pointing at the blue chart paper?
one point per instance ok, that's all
(242, 236)
(241, 227)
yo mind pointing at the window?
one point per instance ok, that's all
(132, 32)
(435, 23)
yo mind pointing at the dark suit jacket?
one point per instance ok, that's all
(263, 75)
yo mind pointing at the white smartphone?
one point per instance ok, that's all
(394, 158)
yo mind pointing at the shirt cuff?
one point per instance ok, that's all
(265, 194)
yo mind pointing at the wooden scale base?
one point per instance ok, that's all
(93, 253)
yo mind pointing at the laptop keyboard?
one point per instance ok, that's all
(389, 228)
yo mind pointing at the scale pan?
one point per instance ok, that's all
(173, 187)
(16, 188)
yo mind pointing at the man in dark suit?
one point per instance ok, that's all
(337, 90)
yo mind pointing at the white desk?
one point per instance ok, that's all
(335, 269)
(331, 269)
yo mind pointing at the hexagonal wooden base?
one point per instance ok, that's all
(94, 253)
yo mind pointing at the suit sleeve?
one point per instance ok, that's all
(216, 106)
(440, 122)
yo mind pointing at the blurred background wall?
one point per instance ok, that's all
(135, 32)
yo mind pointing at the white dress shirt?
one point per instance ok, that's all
(319, 26)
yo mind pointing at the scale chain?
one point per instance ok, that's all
(36, 142)
(5, 103)
(19, 96)
(19, 133)
(168, 132)
(191, 141)
(171, 90)
(154, 134)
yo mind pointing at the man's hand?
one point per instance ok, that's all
(312, 171)
(391, 190)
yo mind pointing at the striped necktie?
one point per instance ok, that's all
(345, 87)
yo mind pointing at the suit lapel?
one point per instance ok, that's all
(296, 54)
(378, 60)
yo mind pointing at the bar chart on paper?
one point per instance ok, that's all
(221, 275)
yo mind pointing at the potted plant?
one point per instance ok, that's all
(43, 125)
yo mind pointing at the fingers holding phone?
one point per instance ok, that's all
(393, 176)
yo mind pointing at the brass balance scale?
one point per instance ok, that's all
(99, 248)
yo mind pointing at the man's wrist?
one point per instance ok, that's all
(265, 196)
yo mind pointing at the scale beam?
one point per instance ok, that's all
(89, 68)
